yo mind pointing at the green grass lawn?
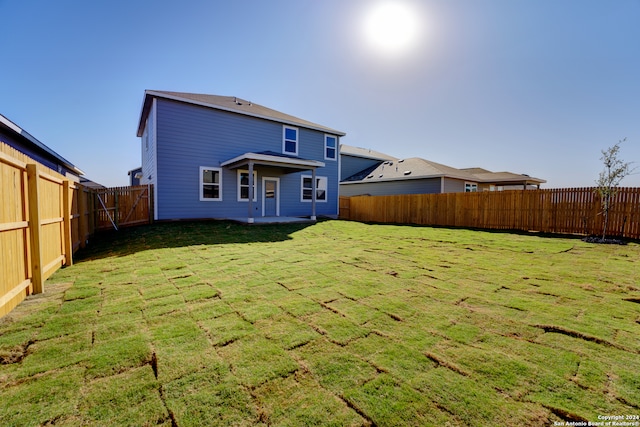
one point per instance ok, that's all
(337, 323)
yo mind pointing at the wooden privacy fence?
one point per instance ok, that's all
(124, 206)
(45, 217)
(571, 210)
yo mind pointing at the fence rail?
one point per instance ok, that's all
(571, 210)
(45, 217)
(124, 206)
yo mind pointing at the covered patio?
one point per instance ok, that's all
(286, 163)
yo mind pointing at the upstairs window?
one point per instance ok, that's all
(145, 138)
(290, 140)
(470, 187)
(330, 147)
(321, 188)
(210, 184)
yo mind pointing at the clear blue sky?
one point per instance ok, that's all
(528, 86)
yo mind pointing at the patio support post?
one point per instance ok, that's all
(250, 217)
(313, 194)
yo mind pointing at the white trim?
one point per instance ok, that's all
(264, 195)
(318, 178)
(284, 139)
(8, 123)
(336, 148)
(202, 183)
(274, 159)
(255, 185)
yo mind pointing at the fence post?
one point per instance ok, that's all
(83, 208)
(67, 202)
(34, 225)
(116, 212)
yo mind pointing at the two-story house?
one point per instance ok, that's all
(223, 157)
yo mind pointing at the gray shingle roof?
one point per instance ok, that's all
(417, 168)
(232, 104)
(364, 153)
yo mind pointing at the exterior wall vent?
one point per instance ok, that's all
(407, 172)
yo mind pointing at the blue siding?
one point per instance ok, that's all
(148, 150)
(189, 136)
(387, 188)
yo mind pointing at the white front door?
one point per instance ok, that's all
(270, 196)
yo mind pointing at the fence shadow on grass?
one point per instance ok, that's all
(591, 238)
(180, 234)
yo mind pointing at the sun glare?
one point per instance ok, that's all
(391, 26)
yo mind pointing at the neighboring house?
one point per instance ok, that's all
(420, 176)
(16, 137)
(223, 157)
(134, 176)
(355, 160)
(91, 184)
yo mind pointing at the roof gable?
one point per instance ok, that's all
(365, 153)
(231, 104)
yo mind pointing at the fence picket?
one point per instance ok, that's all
(44, 219)
(569, 210)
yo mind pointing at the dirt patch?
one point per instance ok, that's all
(580, 335)
(566, 415)
(600, 240)
(441, 362)
(16, 354)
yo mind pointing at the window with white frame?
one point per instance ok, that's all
(290, 140)
(330, 147)
(307, 190)
(145, 138)
(470, 187)
(210, 184)
(243, 186)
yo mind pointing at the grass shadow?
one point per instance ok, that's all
(543, 234)
(128, 241)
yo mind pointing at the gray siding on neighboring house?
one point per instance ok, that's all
(453, 185)
(188, 137)
(386, 188)
(351, 165)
